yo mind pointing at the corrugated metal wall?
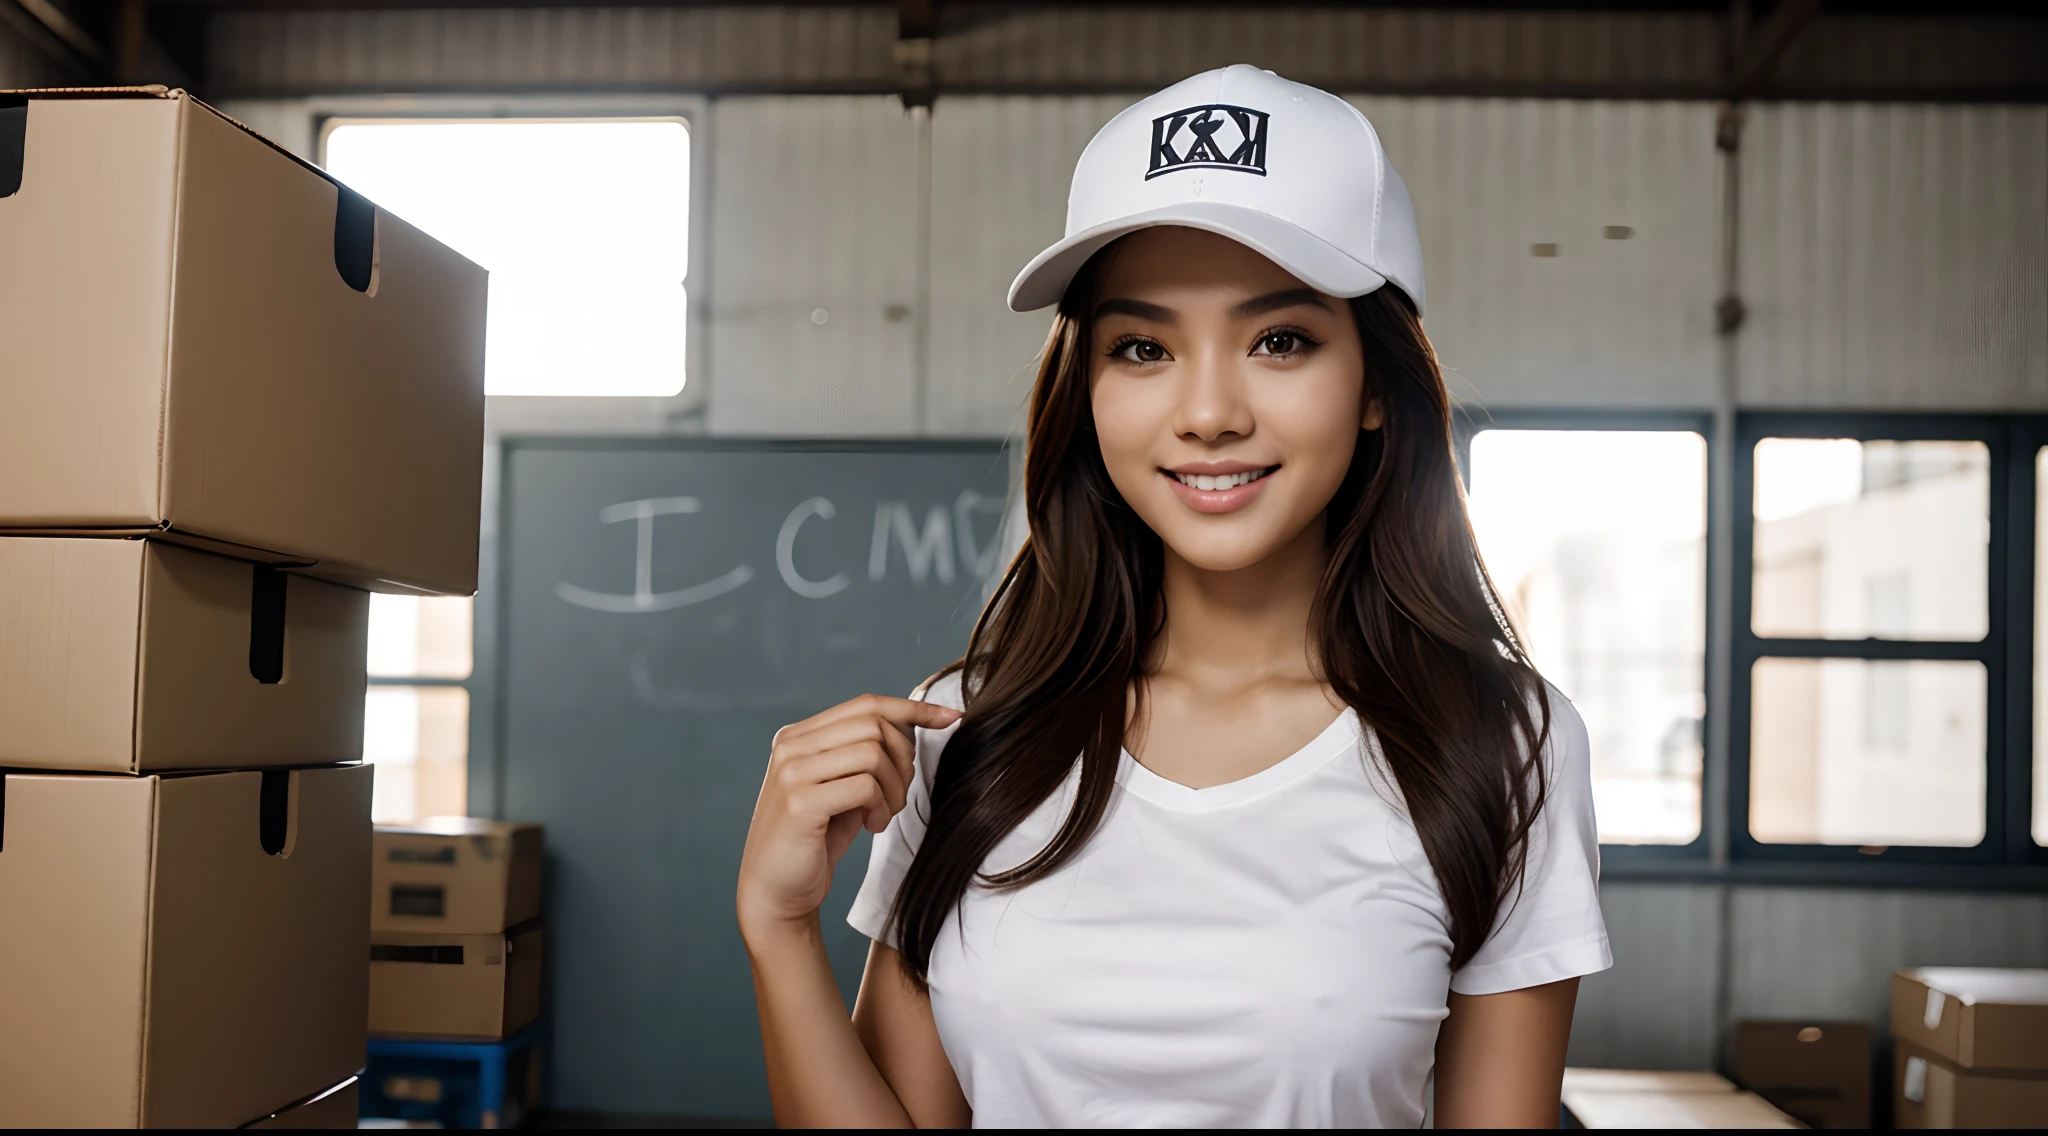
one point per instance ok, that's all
(1599, 321)
(1000, 170)
(1895, 256)
(760, 47)
(1685, 955)
(816, 266)
(987, 48)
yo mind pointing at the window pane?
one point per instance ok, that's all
(1867, 751)
(1597, 541)
(418, 738)
(1885, 540)
(584, 227)
(420, 636)
(2041, 646)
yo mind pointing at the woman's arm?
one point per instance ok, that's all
(1500, 1057)
(828, 777)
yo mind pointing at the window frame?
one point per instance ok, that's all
(1469, 421)
(1993, 651)
(2028, 436)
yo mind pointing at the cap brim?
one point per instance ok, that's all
(1312, 260)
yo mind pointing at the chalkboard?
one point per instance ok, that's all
(664, 606)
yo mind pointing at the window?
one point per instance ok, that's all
(1596, 540)
(584, 226)
(416, 720)
(1869, 646)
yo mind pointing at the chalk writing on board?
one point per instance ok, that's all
(785, 552)
(928, 551)
(644, 597)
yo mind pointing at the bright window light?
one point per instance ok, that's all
(1597, 541)
(584, 227)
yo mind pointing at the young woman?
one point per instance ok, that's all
(1245, 806)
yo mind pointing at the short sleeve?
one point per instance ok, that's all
(1551, 928)
(890, 855)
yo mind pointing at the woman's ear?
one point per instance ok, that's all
(1375, 417)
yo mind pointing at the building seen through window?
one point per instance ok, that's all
(1597, 542)
(1869, 540)
(416, 720)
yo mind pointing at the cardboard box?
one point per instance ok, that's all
(1929, 1091)
(467, 987)
(456, 876)
(1974, 1018)
(211, 341)
(1817, 1071)
(336, 1107)
(181, 951)
(1577, 1079)
(135, 656)
(1732, 1109)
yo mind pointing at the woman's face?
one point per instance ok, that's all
(1228, 395)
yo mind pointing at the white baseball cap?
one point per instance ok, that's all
(1295, 173)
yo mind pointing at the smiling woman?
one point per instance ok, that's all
(1245, 806)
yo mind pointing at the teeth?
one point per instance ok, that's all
(1211, 483)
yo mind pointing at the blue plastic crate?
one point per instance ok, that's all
(457, 1084)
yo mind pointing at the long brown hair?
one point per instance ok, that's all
(1407, 629)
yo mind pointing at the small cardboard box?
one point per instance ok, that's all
(1929, 1091)
(455, 876)
(209, 340)
(1974, 1018)
(135, 656)
(1817, 1071)
(467, 987)
(180, 951)
(336, 1107)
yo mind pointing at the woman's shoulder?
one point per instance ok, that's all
(942, 689)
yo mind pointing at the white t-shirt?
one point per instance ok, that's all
(1270, 952)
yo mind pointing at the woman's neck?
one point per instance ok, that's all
(1229, 630)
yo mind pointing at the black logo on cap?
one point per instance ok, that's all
(1213, 137)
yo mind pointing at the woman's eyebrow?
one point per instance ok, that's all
(1276, 301)
(1137, 308)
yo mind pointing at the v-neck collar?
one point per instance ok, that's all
(1339, 736)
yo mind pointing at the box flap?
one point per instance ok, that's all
(1985, 985)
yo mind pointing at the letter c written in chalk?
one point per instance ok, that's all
(785, 552)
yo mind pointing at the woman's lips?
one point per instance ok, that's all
(1219, 500)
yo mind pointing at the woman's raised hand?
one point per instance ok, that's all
(829, 776)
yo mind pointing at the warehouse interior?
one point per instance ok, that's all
(1744, 306)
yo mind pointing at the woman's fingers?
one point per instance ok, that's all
(867, 758)
(847, 794)
(900, 713)
(854, 731)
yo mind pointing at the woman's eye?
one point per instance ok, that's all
(1280, 343)
(1141, 351)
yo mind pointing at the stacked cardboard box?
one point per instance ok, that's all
(232, 396)
(1970, 1048)
(1818, 1071)
(455, 929)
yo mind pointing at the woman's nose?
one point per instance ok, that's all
(1212, 403)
